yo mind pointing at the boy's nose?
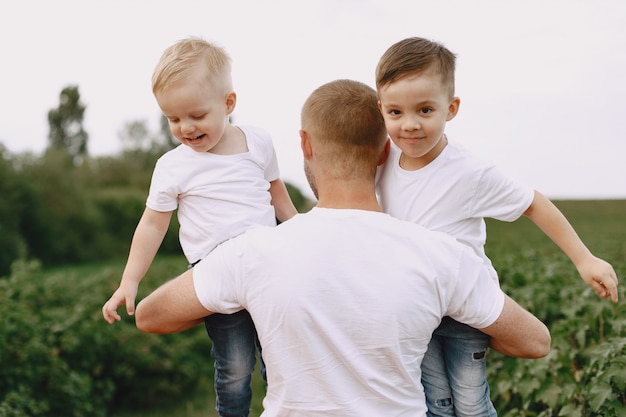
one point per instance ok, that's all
(187, 127)
(411, 123)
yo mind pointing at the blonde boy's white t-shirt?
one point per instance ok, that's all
(452, 194)
(345, 303)
(217, 196)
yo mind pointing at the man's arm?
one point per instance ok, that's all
(518, 333)
(171, 308)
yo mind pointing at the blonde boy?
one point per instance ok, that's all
(223, 180)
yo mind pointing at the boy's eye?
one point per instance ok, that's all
(426, 110)
(198, 117)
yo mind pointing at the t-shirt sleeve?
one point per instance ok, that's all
(217, 276)
(478, 300)
(163, 195)
(262, 148)
(501, 197)
(267, 153)
(272, 171)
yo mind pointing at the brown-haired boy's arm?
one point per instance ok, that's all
(596, 272)
(144, 246)
(283, 206)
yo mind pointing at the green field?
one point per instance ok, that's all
(58, 357)
(600, 224)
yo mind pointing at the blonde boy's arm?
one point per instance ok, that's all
(144, 246)
(597, 273)
(283, 206)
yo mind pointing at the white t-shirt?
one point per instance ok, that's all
(217, 196)
(345, 303)
(452, 194)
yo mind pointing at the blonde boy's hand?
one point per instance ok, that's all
(125, 294)
(600, 276)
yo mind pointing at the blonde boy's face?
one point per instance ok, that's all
(416, 110)
(197, 111)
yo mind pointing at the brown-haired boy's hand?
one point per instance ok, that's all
(600, 276)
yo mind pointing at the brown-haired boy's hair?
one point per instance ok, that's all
(413, 56)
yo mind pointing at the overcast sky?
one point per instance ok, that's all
(542, 82)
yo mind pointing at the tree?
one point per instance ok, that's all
(66, 125)
(137, 136)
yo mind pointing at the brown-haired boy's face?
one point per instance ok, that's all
(416, 109)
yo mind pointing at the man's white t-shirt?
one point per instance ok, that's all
(452, 194)
(217, 196)
(345, 303)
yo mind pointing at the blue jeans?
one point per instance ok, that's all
(235, 344)
(454, 372)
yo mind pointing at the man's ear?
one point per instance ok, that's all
(305, 144)
(453, 108)
(385, 154)
(231, 101)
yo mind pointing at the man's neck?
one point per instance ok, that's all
(349, 196)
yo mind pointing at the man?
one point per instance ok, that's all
(344, 298)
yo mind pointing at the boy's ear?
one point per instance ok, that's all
(231, 101)
(453, 108)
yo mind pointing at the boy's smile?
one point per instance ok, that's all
(195, 139)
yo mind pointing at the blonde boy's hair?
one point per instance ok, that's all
(344, 116)
(178, 59)
(413, 56)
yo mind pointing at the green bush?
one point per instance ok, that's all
(59, 358)
(585, 373)
(19, 213)
(62, 213)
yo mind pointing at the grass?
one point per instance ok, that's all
(601, 224)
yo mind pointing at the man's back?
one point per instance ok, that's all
(345, 302)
